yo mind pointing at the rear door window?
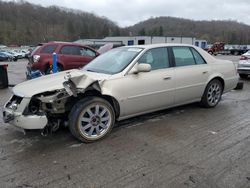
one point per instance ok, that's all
(49, 49)
(183, 56)
(199, 60)
(70, 50)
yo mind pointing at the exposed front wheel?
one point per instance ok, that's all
(91, 119)
(212, 94)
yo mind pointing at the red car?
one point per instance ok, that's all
(69, 56)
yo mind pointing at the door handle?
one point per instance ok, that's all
(204, 72)
(167, 78)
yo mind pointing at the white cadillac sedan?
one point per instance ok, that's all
(122, 83)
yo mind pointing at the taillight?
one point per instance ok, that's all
(243, 57)
(36, 58)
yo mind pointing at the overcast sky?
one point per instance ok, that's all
(129, 12)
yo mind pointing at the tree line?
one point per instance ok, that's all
(228, 31)
(23, 23)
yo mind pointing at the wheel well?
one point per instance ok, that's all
(114, 103)
(221, 80)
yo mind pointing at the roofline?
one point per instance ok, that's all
(148, 46)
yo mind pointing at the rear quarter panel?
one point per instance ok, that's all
(221, 68)
(227, 71)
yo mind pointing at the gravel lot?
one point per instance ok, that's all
(186, 146)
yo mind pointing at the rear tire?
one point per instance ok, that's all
(212, 94)
(91, 119)
(243, 76)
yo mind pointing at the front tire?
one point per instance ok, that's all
(91, 119)
(212, 94)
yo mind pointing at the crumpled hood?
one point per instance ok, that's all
(55, 81)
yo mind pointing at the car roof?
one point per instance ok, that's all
(64, 43)
(148, 46)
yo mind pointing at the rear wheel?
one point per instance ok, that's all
(212, 94)
(243, 75)
(91, 119)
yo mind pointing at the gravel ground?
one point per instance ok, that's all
(186, 146)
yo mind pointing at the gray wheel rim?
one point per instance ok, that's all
(213, 94)
(95, 121)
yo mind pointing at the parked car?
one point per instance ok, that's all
(3, 57)
(244, 65)
(26, 53)
(17, 53)
(15, 56)
(11, 56)
(70, 56)
(119, 84)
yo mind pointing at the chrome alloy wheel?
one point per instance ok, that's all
(94, 121)
(214, 94)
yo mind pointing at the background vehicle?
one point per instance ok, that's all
(219, 48)
(121, 83)
(11, 56)
(26, 53)
(14, 55)
(3, 57)
(70, 56)
(18, 53)
(244, 65)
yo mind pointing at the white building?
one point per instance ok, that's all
(140, 40)
(201, 43)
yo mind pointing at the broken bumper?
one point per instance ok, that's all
(7, 117)
(13, 114)
(25, 122)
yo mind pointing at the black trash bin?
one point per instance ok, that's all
(4, 82)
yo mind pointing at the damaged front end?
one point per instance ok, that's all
(13, 113)
(48, 110)
(53, 105)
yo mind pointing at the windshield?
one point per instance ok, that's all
(113, 61)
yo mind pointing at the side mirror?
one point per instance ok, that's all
(142, 67)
